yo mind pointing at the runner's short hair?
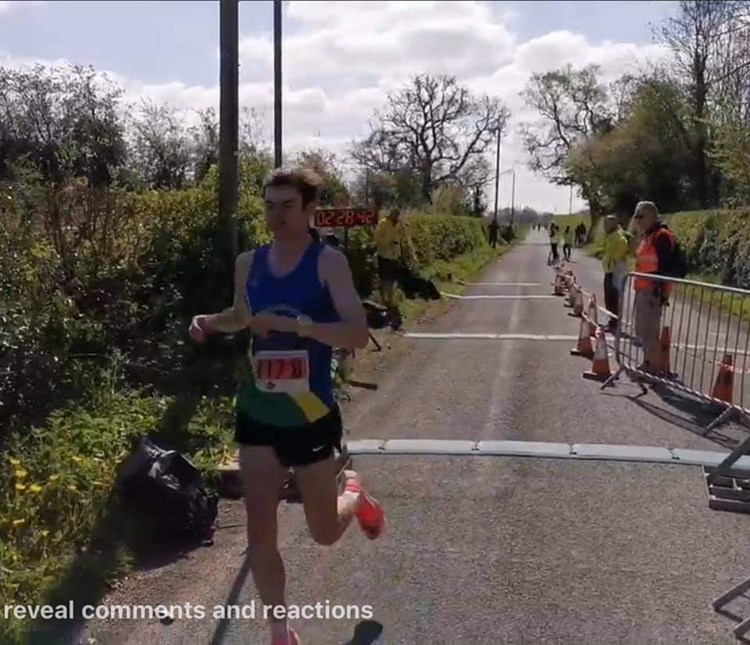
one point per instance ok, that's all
(306, 181)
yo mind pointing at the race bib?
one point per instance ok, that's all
(282, 372)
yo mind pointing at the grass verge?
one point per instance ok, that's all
(737, 306)
(448, 277)
(61, 535)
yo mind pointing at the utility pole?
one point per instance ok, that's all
(277, 83)
(513, 197)
(497, 168)
(570, 201)
(228, 122)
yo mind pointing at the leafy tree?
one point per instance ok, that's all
(63, 120)
(712, 61)
(326, 165)
(643, 156)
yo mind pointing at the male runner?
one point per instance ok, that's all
(298, 299)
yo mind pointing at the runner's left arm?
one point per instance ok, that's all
(352, 332)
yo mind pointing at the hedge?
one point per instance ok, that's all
(716, 242)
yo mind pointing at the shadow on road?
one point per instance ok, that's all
(695, 415)
(366, 633)
(234, 593)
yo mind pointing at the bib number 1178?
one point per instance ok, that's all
(282, 371)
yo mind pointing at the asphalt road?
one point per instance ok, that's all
(489, 550)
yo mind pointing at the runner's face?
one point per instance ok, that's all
(284, 213)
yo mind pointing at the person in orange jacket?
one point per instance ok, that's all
(653, 255)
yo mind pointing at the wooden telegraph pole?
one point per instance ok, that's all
(229, 123)
(277, 157)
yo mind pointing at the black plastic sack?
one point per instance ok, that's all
(415, 286)
(167, 490)
(377, 315)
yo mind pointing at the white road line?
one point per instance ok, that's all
(582, 451)
(492, 297)
(487, 336)
(500, 284)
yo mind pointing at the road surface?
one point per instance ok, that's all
(489, 550)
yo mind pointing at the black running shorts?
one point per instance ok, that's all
(388, 270)
(294, 446)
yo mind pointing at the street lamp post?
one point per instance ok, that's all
(497, 168)
(511, 171)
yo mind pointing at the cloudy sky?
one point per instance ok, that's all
(340, 58)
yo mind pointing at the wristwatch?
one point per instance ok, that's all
(304, 323)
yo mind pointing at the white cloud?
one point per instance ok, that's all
(341, 58)
(6, 6)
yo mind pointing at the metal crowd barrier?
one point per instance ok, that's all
(703, 335)
(702, 341)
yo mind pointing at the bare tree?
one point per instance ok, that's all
(253, 130)
(205, 142)
(434, 127)
(160, 148)
(573, 106)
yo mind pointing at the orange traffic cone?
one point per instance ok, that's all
(593, 322)
(577, 304)
(558, 284)
(572, 292)
(600, 367)
(665, 342)
(724, 386)
(583, 348)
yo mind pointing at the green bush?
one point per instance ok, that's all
(717, 244)
(434, 239)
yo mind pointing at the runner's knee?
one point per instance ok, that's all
(319, 490)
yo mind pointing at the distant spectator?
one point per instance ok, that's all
(568, 241)
(615, 265)
(581, 234)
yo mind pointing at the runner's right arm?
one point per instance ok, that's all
(238, 316)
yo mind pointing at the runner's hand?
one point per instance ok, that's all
(200, 327)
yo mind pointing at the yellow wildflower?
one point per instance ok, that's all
(18, 522)
(73, 488)
(35, 488)
(14, 462)
(21, 473)
(53, 478)
(20, 487)
(44, 533)
(77, 459)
